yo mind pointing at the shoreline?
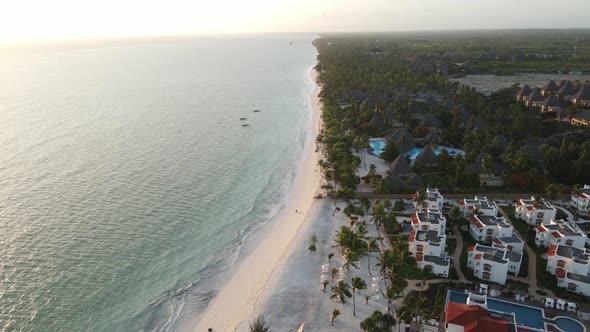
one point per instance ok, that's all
(237, 300)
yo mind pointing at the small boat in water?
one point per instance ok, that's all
(242, 119)
(256, 111)
(245, 125)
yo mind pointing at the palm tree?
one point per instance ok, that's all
(350, 258)
(341, 291)
(259, 325)
(371, 246)
(334, 273)
(362, 231)
(357, 284)
(335, 314)
(378, 215)
(404, 313)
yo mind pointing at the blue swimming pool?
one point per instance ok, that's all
(378, 145)
(525, 315)
(568, 325)
(451, 151)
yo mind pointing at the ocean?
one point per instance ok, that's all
(128, 186)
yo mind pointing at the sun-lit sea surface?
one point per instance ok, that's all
(127, 182)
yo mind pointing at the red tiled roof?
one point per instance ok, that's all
(530, 208)
(415, 218)
(487, 324)
(412, 236)
(478, 256)
(471, 207)
(552, 250)
(497, 241)
(519, 203)
(473, 318)
(462, 203)
(476, 222)
(560, 274)
(541, 228)
(556, 235)
(470, 248)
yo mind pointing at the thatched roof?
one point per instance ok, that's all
(400, 166)
(566, 89)
(551, 86)
(524, 91)
(427, 157)
(583, 94)
(414, 180)
(394, 183)
(535, 96)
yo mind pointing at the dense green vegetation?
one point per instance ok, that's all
(373, 85)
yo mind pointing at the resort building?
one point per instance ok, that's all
(434, 199)
(581, 118)
(492, 229)
(581, 199)
(534, 97)
(571, 266)
(460, 317)
(535, 212)
(510, 243)
(493, 264)
(549, 88)
(422, 243)
(436, 265)
(559, 232)
(582, 97)
(483, 206)
(429, 220)
(523, 92)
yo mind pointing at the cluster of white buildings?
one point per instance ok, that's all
(558, 232)
(502, 253)
(427, 241)
(499, 250)
(571, 266)
(535, 212)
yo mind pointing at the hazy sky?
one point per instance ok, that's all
(49, 19)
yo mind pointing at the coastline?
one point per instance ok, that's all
(237, 300)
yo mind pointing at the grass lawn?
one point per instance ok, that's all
(543, 278)
(451, 245)
(524, 266)
(529, 237)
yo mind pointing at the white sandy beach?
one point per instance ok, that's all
(237, 300)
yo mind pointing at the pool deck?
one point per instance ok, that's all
(548, 313)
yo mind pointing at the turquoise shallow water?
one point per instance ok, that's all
(127, 183)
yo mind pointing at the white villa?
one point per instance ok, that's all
(428, 247)
(492, 229)
(544, 213)
(422, 243)
(571, 266)
(437, 265)
(559, 232)
(483, 206)
(493, 264)
(581, 200)
(429, 220)
(434, 200)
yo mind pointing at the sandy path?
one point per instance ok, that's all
(237, 299)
